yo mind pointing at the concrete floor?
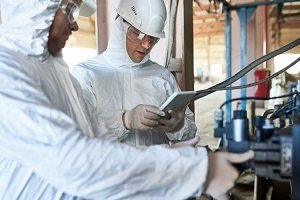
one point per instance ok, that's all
(204, 114)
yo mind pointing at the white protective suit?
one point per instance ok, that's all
(45, 152)
(112, 83)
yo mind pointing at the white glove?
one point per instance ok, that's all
(222, 174)
(142, 117)
(191, 142)
(174, 123)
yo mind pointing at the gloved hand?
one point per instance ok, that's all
(142, 117)
(222, 174)
(191, 142)
(174, 123)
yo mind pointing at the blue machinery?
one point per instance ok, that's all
(276, 146)
(244, 12)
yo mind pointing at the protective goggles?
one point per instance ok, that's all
(137, 36)
(71, 10)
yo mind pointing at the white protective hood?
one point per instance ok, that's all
(25, 30)
(28, 32)
(116, 54)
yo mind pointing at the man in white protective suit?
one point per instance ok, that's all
(123, 88)
(47, 148)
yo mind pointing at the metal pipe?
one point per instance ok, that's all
(228, 60)
(242, 12)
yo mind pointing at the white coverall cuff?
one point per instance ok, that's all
(123, 128)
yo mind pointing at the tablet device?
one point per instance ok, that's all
(177, 101)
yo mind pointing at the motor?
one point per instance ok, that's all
(276, 149)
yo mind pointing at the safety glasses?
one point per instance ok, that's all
(70, 9)
(137, 36)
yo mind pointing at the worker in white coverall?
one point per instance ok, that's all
(47, 149)
(120, 84)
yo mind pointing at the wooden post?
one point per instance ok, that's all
(188, 47)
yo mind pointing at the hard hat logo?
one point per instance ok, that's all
(148, 16)
(133, 9)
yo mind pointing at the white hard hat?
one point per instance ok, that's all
(148, 16)
(87, 8)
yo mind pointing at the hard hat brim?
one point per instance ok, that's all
(87, 8)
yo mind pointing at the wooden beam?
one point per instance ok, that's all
(291, 15)
(274, 10)
(291, 7)
(292, 24)
(188, 46)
